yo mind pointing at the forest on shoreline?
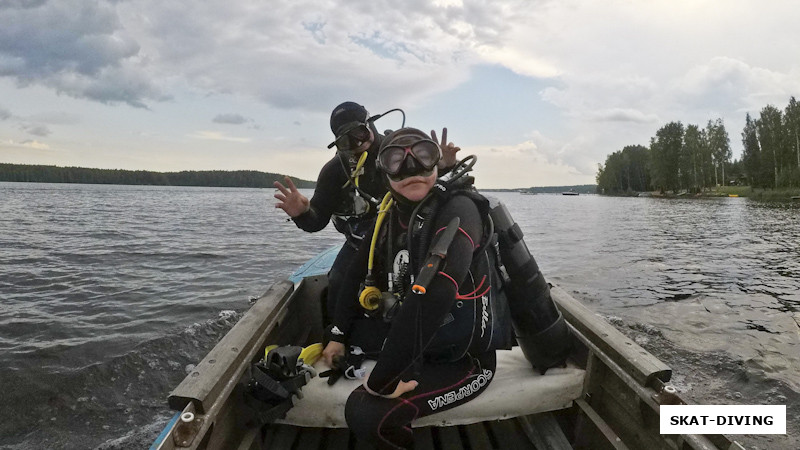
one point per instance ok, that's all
(697, 160)
(212, 178)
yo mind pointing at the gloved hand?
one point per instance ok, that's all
(347, 365)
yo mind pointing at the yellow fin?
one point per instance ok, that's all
(311, 354)
(269, 347)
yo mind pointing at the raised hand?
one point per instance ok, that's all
(449, 150)
(290, 200)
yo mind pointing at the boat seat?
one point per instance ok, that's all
(516, 390)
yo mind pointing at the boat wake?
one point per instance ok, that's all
(716, 372)
(118, 403)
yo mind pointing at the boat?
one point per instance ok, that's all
(608, 396)
(570, 192)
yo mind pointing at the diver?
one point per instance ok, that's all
(348, 189)
(426, 275)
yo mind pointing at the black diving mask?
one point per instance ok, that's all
(350, 136)
(393, 159)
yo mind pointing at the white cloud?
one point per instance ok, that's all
(526, 163)
(55, 118)
(730, 84)
(30, 144)
(36, 129)
(77, 48)
(217, 136)
(613, 71)
(623, 115)
(232, 119)
(35, 144)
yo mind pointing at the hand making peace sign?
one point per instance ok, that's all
(449, 151)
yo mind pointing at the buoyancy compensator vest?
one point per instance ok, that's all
(479, 319)
(520, 294)
(351, 216)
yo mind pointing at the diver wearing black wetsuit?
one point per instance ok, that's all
(439, 338)
(337, 197)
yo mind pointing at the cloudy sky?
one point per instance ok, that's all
(542, 91)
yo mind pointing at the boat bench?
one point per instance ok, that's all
(516, 390)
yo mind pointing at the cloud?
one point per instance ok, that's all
(526, 164)
(217, 136)
(622, 115)
(31, 144)
(4, 113)
(306, 55)
(596, 76)
(75, 47)
(724, 83)
(36, 129)
(56, 118)
(233, 119)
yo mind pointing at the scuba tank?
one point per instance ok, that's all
(541, 330)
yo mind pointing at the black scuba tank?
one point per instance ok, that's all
(541, 331)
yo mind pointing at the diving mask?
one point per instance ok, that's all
(351, 136)
(392, 158)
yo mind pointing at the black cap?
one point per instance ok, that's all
(346, 113)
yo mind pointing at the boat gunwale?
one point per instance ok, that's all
(596, 340)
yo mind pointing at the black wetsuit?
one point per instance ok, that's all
(431, 340)
(334, 198)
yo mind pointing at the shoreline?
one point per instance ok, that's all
(758, 194)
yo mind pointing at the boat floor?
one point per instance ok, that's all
(539, 431)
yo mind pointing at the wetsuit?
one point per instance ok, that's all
(437, 338)
(334, 198)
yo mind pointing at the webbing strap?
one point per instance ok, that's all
(268, 383)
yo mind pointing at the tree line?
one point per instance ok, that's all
(214, 178)
(693, 159)
(582, 189)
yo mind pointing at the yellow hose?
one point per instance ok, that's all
(360, 164)
(370, 296)
(386, 203)
(355, 175)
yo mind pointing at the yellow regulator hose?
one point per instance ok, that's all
(370, 297)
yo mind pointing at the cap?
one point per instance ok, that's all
(347, 112)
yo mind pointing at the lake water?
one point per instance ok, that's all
(107, 293)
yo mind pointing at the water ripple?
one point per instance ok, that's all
(106, 291)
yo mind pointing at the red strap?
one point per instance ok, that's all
(472, 295)
(461, 230)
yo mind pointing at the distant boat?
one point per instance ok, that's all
(733, 195)
(570, 192)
